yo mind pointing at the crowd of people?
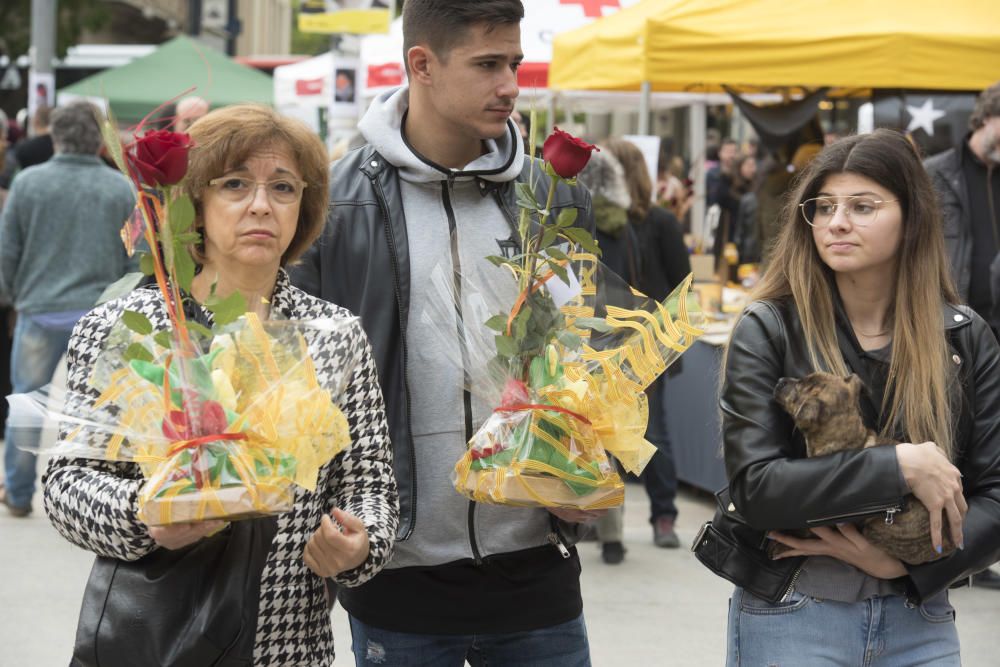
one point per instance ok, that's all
(876, 265)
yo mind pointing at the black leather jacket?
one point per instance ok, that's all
(361, 262)
(945, 170)
(774, 487)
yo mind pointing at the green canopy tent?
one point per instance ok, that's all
(135, 89)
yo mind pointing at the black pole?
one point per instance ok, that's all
(194, 17)
(233, 27)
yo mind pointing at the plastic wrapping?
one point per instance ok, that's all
(221, 433)
(563, 368)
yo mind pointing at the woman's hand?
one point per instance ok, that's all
(334, 548)
(937, 484)
(180, 535)
(843, 543)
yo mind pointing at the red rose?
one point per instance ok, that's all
(567, 154)
(176, 426)
(161, 157)
(213, 418)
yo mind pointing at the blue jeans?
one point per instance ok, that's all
(34, 356)
(660, 475)
(563, 645)
(878, 632)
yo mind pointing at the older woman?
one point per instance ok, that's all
(259, 183)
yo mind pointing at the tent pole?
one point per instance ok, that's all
(644, 96)
(697, 126)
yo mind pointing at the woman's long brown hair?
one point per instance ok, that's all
(920, 370)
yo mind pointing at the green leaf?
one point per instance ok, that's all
(521, 323)
(497, 260)
(137, 351)
(506, 346)
(198, 328)
(560, 271)
(229, 309)
(595, 323)
(164, 339)
(526, 196)
(497, 323)
(567, 217)
(550, 235)
(184, 266)
(137, 322)
(187, 238)
(582, 238)
(120, 287)
(146, 263)
(555, 253)
(569, 339)
(181, 213)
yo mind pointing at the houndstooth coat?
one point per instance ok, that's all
(93, 503)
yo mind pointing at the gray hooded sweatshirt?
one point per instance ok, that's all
(452, 224)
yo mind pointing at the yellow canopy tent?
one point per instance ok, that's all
(699, 45)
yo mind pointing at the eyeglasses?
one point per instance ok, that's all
(279, 190)
(861, 210)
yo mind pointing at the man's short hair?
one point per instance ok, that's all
(43, 116)
(442, 24)
(76, 129)
(987, 106)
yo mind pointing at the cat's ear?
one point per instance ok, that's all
(855, 382)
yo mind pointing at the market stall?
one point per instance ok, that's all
(660, 46)
(177, 66)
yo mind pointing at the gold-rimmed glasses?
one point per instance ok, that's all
(238, 189)
(861, 210)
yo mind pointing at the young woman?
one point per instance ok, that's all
(858, 283)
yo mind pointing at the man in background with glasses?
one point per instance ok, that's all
(967, 181)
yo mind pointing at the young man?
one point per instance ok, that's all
(967, 181)
(435, 183)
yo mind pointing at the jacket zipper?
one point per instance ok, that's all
(384, 207)
(888, 510)
(791, 584)
(554, 539)
(511, 220)
(456, 263)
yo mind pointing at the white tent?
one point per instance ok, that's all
(382, 55)
(305, 84)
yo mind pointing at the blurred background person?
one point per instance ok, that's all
(59, 249)
(38, 148)
(967, 182)
(719, 182)
(746, 234)
(604, 177)
(189, 109)
(663, 264)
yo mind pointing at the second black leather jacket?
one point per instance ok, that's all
(361, 262)
(774, 487)
(945, 170)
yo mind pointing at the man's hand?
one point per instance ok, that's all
(576, 516)
(338, 545)
(846, 543)
(180, 535)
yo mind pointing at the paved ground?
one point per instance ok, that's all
(659, 607)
